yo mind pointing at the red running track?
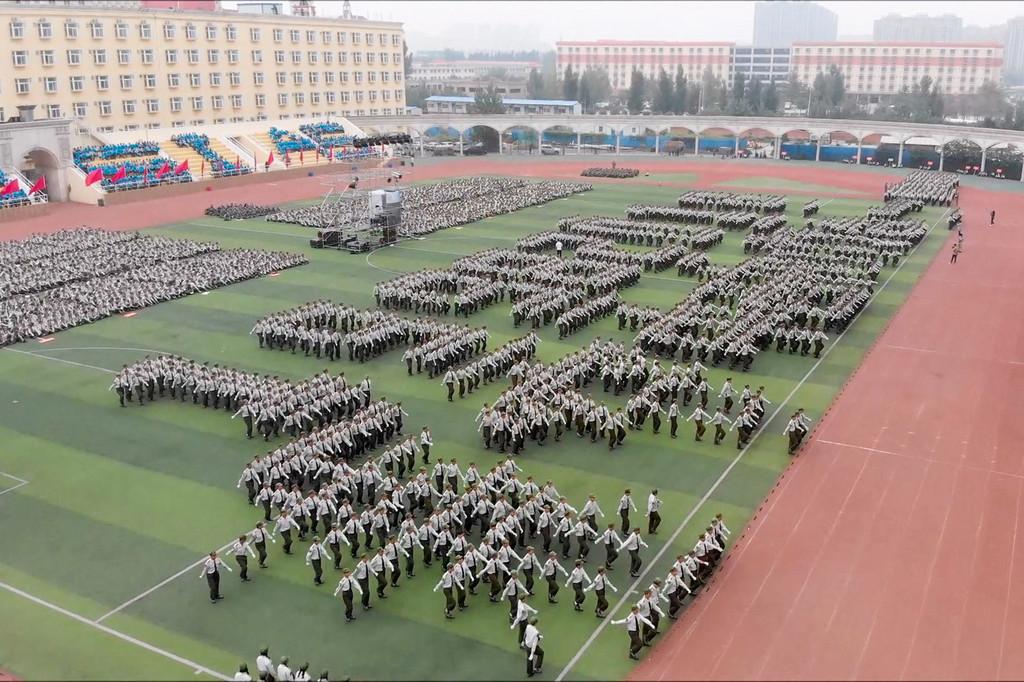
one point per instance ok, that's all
(889, 550)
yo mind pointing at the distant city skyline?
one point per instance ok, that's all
(506, 25)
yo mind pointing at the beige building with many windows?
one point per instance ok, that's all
(878, 68)
(129, 70)
(620, 57)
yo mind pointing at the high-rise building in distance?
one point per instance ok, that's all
(919, 28)
(780, 24)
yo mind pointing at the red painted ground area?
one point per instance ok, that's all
(889, 548)
(8, 677)
(174, 209)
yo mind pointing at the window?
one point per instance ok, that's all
(343, 57)
(236, 101)
(128, 106)
(357, 57)
(279, 56)
(296, 57)
(383, 57)
(196, 103)
(170, 32)
(145, 30)
(297, 77)
(124, 56)
(192, 56)
(331, 96)
(171, 56)
(257, 78)
(373, 95)
(45, 29)
(213, 56)
(231, 32)
(121, 30)
(344, 97)
(325, 36)
(17, 29)
(342, 37)
(371, 58)
(147, 56)
(190, 31)
(195, 80)
(329, 77)
(282, 78)
(282, 99)
(149, 80)
(344, 76)
(235, 78)
(232, 56)
(173, 80)
(278, 35)
(312, 57)
(261, 99)
(357, 38)
(328, 57)
(359, 76)
(127, 82)
(96, 29)
(386, 94)
(295, 35)
(50, 84)
(359, 96)
(215, 79)
(369, 39)
(314, 77)
(395, 41)
(77, 83)
(384, 76)
(255, 35)
(21, 58)
(105, 108)
(314, 98)
(211, 31)
(300, 98)
(257, 56)
(176, 104)
(70, 29)
(102, 83)
(372, 76)
(79, 109)
(310, 36)
(99, 56)
(217, 101)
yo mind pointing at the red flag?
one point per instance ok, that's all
(238, 162)
(10, 188)
(330, 154)
(39, 186)
(202, 168)
(318, 154)
(164, 170)
(93, 176)
(270, 159)
(182, 167)
(301, 158)
(121, 174)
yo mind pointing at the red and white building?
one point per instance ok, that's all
(620, 57)
(883, 68)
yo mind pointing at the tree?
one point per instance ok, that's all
(754, 96)
(771, 97)
(817, 98)
(835, 91)
(739, 81)
(487, 102)
(585, 97)
(535, 84)
(498, 73)
(407, 56)
(663, 96)
(598, 87)
(570, 84)
(679, 99)
(635, 99)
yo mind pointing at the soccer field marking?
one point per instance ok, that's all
(143, 595)
(249, 229)
(141, 350)
(61, 360)
(21, 482)
(649, 565)
(115, 633)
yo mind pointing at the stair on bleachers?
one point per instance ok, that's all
(179, 154)
(226, 152)
(264, 145)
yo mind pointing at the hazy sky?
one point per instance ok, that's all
(498, 24)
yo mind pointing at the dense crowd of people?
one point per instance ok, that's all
(612, 172)
(58, 281)
(730, 201)
(240, 211)
(931, 187)
(440, 205)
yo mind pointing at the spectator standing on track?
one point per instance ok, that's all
(243, 674)
(211, 571)
(264, 666)
(284, 673)
(992, 218)
(956, 252)
(633, 623)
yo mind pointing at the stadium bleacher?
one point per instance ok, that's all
(141, 161)
(327, 135)
(286, 142)
(17, 198)
(215, 162)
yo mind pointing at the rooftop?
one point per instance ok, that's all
(461, 99)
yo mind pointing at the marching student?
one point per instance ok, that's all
(333, 540)
(523, 611)
(717, 420)
(425, 444)
(211, 572)
(650, 610)
(362, 576)
(446, 583)
(345, 587)
(625, 503)
(240, 550)
(528, 565)
(284, 525)
(633, 623)
(314, 557)
(698, 417)
(599, 585)
(653, 513)
(548, 573)
(512, 591)
(576, 580)
(259, 537)
(610, 539)
(535, 654)
(632, 544)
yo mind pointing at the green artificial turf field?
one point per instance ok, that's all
(120, 504)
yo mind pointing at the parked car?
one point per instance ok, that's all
(549, 150)
(475, 150)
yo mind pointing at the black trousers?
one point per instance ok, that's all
(243, 565)
(653, 522)
(213, 580)
(346, 596)
(261, 550)
(449, 601)
(318, 571)
(634, 561)
(536, 662)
